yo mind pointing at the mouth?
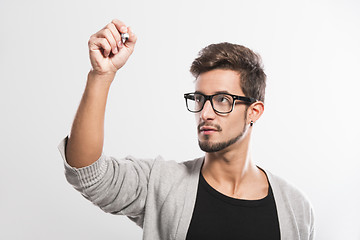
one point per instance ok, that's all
(207, 130)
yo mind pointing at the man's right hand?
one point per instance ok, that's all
(107, 51)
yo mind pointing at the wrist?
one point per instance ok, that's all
(105, 78)
(99, 82)
(104, 75)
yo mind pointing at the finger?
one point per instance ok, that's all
(121, 28)
(110, 38)
(106, 34)
(119, 25)
(115, 33)
(101, 44)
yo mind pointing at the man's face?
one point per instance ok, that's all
(220, 131)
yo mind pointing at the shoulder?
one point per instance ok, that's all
(292, 203)
(167, 168)
(171, 167)
(173, 181)
(288, 192)
(158, 166)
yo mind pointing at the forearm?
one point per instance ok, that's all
(86, 140)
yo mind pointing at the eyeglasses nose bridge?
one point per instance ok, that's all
(208, 98)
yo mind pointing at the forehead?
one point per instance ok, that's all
(219, 80)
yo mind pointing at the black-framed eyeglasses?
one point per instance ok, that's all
(221, 102)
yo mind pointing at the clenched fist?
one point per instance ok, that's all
(107, 51)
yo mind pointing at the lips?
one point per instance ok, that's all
(208, 129)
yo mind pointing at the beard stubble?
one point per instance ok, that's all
(209, 147)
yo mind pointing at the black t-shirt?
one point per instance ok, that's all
(219, 217)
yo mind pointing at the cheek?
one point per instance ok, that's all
(236, 123)
(197, 117)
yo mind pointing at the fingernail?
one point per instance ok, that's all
(119, 43)
(123, 29)
(115, 51)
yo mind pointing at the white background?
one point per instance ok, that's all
(309, 133)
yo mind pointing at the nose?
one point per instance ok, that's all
(207, 113)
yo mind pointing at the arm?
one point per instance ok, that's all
(107, 55)
(117, 186)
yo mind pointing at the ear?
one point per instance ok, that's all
(255, 111)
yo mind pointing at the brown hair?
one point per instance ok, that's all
(234, 57)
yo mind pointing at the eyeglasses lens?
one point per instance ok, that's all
(221, 103)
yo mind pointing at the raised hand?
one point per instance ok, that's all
(107, 51)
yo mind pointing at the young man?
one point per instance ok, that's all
(222, 195)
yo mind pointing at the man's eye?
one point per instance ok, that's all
(197, 98)
(223, 99)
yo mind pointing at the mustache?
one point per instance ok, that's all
(217, 127)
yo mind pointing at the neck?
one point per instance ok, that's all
(232, 172)
(230, 164)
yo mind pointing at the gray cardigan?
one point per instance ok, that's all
(160, 195)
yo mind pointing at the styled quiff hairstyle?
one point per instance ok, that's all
(234, 57)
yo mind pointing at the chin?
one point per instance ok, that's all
(209, 147)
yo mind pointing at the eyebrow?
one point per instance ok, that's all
(217, 92)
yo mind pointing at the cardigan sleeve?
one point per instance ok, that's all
(117, 186)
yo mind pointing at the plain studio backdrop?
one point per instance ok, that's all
(309, 133)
